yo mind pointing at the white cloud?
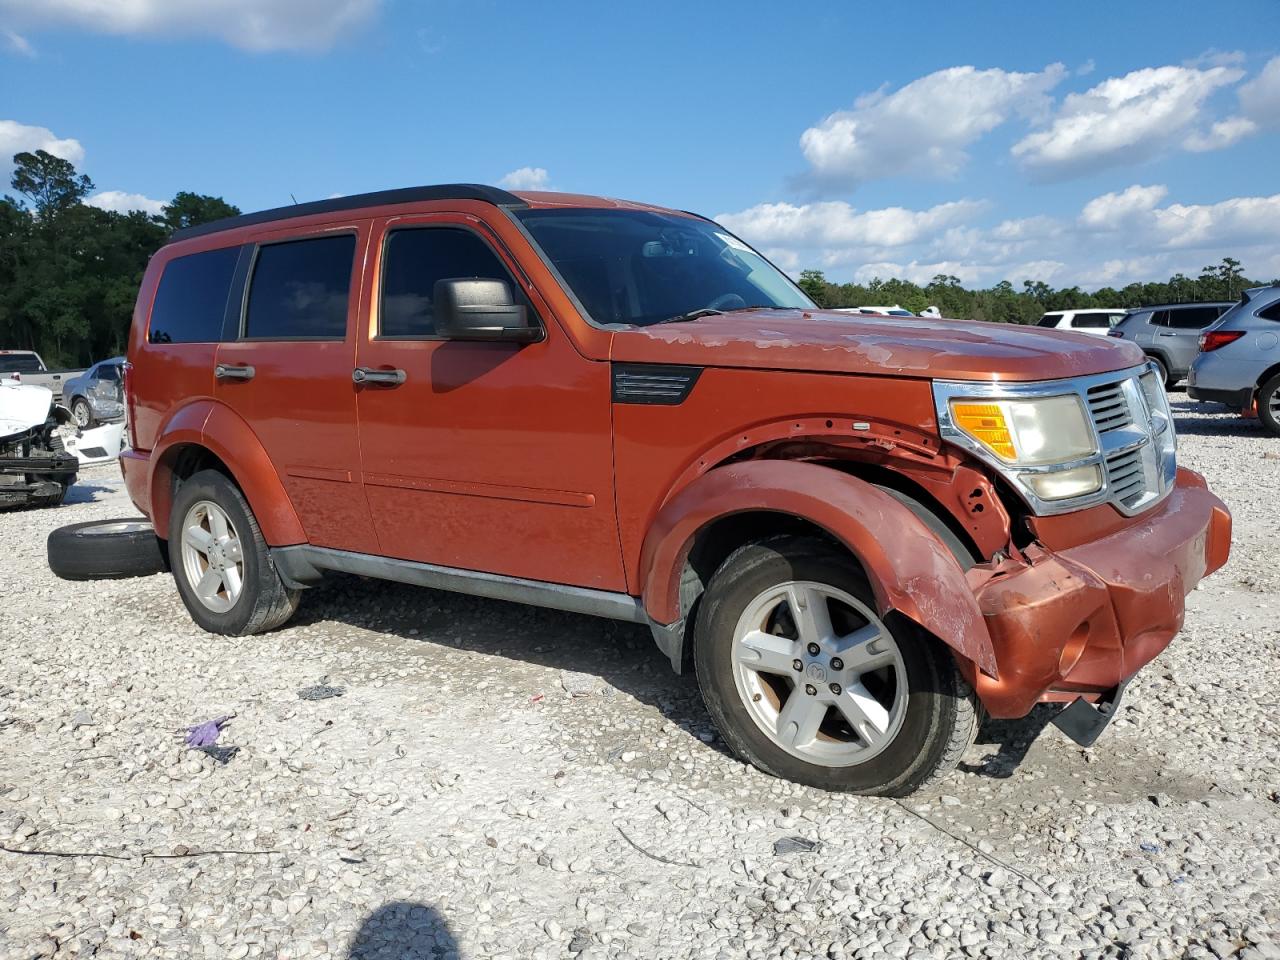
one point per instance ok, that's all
(1127, 119)
(17, 43)
(249, 24)
(19, 137)
(526, 178)
(924, 127)
(1116, 238)
(1222, 134)
(121, 202)
(837, 224)
(1260, 97)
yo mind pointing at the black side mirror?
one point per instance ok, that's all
(476, 309)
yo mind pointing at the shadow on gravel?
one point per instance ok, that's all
(1012, 739)
(403, 930)
(86, 493)
(622, 654)
(1191, 418)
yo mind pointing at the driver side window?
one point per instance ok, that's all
(414, 258)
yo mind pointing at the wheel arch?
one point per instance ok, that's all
(912, 570)
(208, 435)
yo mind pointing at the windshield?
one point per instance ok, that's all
(639, 267)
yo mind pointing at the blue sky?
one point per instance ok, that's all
(1091, 143)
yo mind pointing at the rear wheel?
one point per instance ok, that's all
(806, 681)
(1162, 371)
(221, 561)
(1269, 405)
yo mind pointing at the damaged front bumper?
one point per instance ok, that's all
(1076, 624)
(29, 478)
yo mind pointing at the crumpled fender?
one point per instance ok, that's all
(224, 433)
(910, 569)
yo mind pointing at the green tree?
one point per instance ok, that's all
(814, 284)
(50, 183)
(192, 209)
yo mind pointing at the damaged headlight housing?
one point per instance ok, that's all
(1034, 432)
(1068, 444)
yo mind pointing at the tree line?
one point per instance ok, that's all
(1005, 303)
(69, 272)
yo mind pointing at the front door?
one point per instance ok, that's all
(487, 456)
(289, 375)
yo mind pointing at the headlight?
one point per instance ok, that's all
(1031, 432)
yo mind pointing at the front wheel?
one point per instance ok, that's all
(805, 681)
(81, 413)
(221, 561)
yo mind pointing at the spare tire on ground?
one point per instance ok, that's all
(106, 550)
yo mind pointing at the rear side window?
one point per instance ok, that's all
(412, 263)
(1050, 320)
(1270, 313)
(1193, 318)
(1160, 318)
(109, 371)
(191, 300)
(300, 290)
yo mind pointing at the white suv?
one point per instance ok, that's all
(1096, 320)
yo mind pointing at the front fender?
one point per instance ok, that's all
(910, 569)
(221, 431)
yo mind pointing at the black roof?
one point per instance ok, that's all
(1184, 303)
(444, 191)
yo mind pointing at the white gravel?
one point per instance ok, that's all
(497, 781)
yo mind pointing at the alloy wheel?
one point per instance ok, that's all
(819, 673)
(212, 556)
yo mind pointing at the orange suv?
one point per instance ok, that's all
(861, 532)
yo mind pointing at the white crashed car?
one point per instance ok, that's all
(35, 467)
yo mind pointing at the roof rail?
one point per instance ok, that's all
(444, 191)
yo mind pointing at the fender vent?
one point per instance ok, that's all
(653, 383)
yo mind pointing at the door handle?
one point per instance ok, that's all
(229, 371)
(383, 378)
(1166, 334)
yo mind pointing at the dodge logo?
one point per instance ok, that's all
(816, 673)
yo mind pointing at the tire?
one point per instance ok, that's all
(1162, 372)
(105, 550)
(1269, 405)
(261, 602)
(82, 413)
(925, 733)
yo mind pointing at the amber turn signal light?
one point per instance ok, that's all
(985, 422)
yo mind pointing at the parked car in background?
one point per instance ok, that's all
(96, 396)
(1097, 321)
(862, 533)
(26, 367)
(1169, 333)
(1239, 359)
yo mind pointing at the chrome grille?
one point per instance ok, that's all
(1131, 416)
(1126, 476)
(1109, 407)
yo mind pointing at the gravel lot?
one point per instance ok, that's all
(497, 781)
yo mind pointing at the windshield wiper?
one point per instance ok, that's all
(693, 315)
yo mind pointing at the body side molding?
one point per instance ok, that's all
(303, 565)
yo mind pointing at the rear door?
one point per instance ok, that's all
(1182, 338)
(287, 372)
(495, 457)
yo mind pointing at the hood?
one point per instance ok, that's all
(23, 407)
(826, 341)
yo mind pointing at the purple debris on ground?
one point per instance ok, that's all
(206, 734)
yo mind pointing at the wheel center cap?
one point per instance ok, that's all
(817, 673)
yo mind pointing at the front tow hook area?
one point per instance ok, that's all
(1084, 722)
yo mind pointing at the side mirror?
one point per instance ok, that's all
(475, 309)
